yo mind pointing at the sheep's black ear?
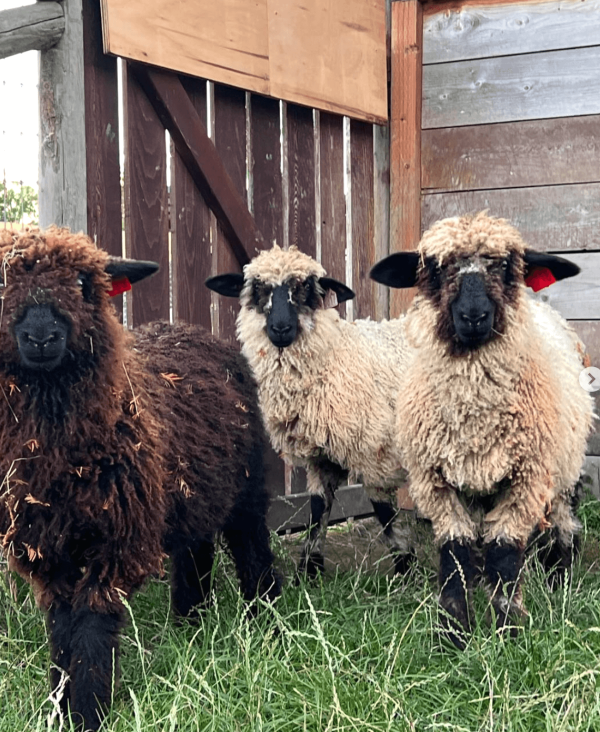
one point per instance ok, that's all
(560, 267)
(229, 285)
(342, 293)
(398, 270)
(133, 270)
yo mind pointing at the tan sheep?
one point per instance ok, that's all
(326, 386)
(492, 420)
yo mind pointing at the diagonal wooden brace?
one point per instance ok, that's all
(175, 110)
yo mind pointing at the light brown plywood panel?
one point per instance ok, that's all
(328, 54)
(223, 41)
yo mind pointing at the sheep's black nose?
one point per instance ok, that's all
(41, 337)
(473, 311)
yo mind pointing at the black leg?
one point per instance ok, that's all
(94, 664)
(59, 621)
(191, 568)
(312, 560)
(398, 537)
(503, 565)
(457, 570)
(253, 558)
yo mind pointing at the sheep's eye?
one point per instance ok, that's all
(504, 264)
(84, 280)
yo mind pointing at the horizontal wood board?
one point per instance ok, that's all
(292, 513)
(30, 28)
(466, 30)
(510, 88)
(511, 155)
(327, 54)
(552, 217)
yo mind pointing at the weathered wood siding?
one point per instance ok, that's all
(511, 123)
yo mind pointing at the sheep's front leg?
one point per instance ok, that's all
(397, 533)
(323, 478)
(93, 664)
(59, 622)
(455, 533)
(507, 529)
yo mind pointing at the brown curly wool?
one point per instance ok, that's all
(116, 451)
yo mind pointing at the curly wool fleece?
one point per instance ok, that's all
(331, 392)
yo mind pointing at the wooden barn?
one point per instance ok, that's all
(345, 127)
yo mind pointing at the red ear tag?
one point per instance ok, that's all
(539, 277)
(119, 287)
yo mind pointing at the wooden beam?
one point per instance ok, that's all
(30, 28)
(177, 113)
(292, 513)
(63, 180)
(405, 143)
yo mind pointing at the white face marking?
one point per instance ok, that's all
(471, 267)
(269, 304)
(290, 295)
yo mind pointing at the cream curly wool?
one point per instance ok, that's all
(512, 409)
(332, 392)
(328, 397)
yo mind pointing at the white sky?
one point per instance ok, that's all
(19, 115)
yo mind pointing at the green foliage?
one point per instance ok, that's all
(355, 651)
(18, 203)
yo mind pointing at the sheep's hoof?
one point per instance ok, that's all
(311, 567)
(455, 620)
(509, 616)
(403, 562)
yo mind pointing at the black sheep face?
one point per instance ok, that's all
(472, 296)
(288, 306)
(57, 316)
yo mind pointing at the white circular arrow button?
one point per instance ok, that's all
(589, 379)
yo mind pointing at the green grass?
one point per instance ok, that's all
(356, 651)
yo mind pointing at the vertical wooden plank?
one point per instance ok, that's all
(63, 189)
(302, 209)
(405, 130)
(230, 141)
(333, 200)
(146, 214)
(266, 163)
(267, 205)
(104, 221)
(363, 239)
(381, 212)
(190, 223)
(103, 175)
(301, 170)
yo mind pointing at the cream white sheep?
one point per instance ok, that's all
(491, 418)
(326, 387)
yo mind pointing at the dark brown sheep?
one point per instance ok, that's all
(115, 451)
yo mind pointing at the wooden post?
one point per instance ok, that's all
(63, 180)
(405, 144)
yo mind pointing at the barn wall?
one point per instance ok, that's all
(511, 123)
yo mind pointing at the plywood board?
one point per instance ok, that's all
(510, 88)
(224, 41)
(464, 30)
(553, 217)
(512, 154)
(328, 54)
